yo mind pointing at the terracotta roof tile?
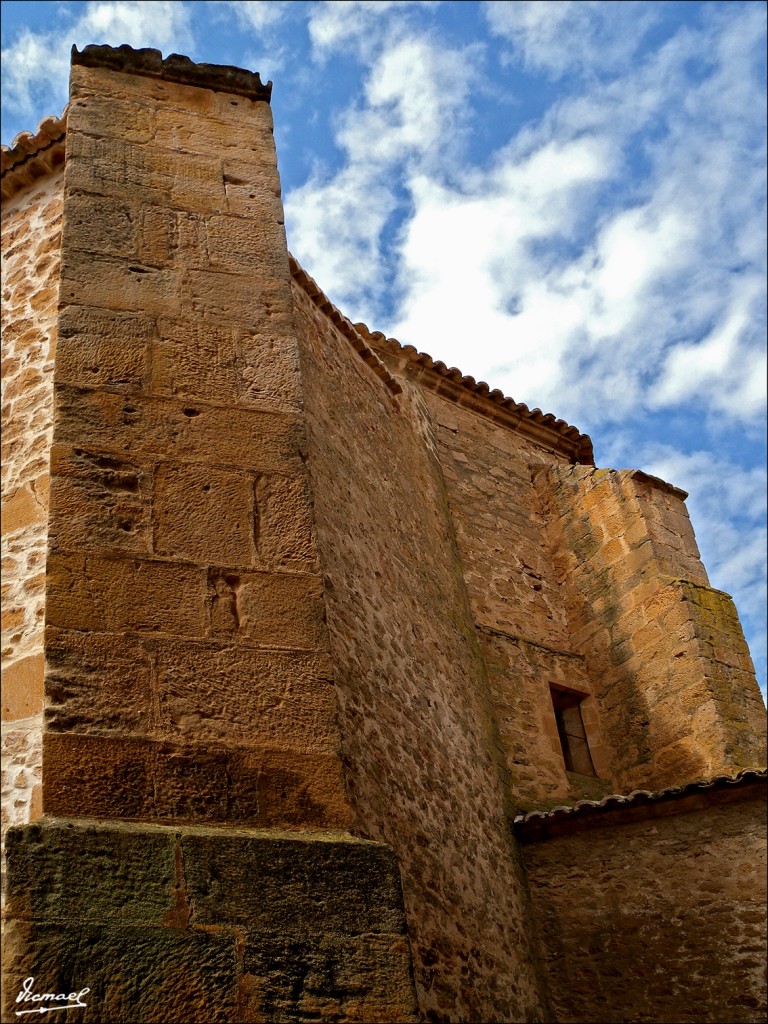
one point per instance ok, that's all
(553, 433)
(538, 824)
(32, 156)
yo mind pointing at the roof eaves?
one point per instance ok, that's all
(32, 156)
(535, 825)
(547, 430)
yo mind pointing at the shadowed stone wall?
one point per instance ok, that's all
(674, 683)
(424, 765)
(175, 925)
(656, 911)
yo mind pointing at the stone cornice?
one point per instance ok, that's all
(176, 68)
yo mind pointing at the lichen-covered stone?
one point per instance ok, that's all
(199, 924)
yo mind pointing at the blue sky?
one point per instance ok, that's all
(565, 199)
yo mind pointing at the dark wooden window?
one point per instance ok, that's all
(573, 736)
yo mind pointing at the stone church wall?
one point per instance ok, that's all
(317, 612)
(517, 603)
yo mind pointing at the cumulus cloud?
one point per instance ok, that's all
(727, 368)
(645, 300)
(37, 63)
(258, 15)
(556, 36)
(260, 22)
(336, 24)
(410, 115)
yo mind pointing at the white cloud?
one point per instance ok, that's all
(728, 367)
(137, 23)
(412, 105)
(558, 272)
(258, 15)
(337, 24)
(409, 118)
(556, 36)
(37, 64)
(560, 260)
(334, 229)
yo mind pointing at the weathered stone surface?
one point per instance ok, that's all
(193, 691)
(237, 245)
(121, 285)
(122, 118)
(236, 298)
(187, 924)
(147, 174)
(152, 975)
(21, 773)
(285, 533)
(103, 83)
(499, 525)
(195, 431)
(31, 233)
(271, 609)
(522, 675)
(225, 365)
(101, 225)
(205, 514)
(97, 593)
(25, 506)
(184, 131)
(674, 686)
(23, 687)
(91, 873)
(423, 768)
(297, 887)
(142, 780)
(100, 503)
(360, 981)
(103, 348)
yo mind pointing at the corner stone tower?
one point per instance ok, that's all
(322, 616)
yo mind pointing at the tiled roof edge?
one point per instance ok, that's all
(175, 68)
(32, 156)
(536, 824)
(310, 287)
(554, 434)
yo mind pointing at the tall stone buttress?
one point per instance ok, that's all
(195, 834)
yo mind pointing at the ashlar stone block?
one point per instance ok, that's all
(205, 514)
(179, 430)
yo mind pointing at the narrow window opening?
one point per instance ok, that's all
(573, 736)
